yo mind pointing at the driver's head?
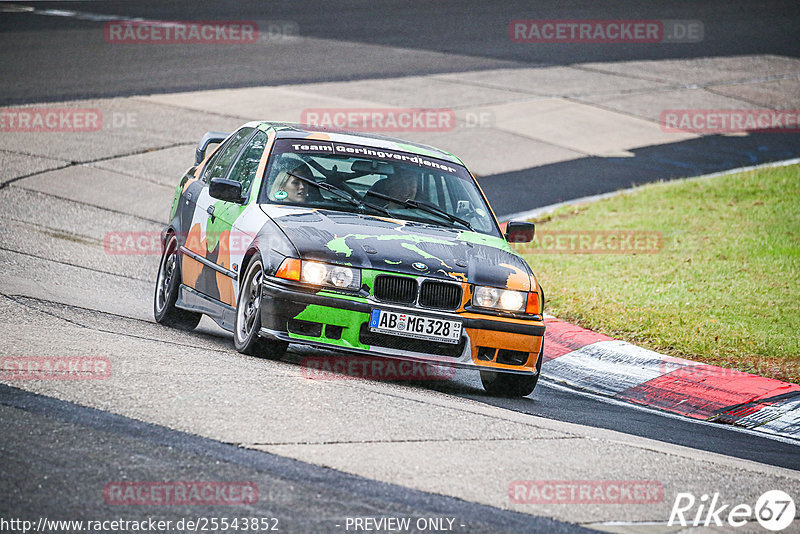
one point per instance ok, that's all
(403, 185)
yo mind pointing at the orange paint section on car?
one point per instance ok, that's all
(318, 136)
(460, 276)
(518, 280)
(507, 341)
(466, 295)
(225, 287)
(191, 268)
(225, 283)
(503, 340)
(195, 241)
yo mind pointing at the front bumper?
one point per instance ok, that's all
(338, 321)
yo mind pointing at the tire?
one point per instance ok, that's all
(248, 317)
(512, 385)
(168, 281)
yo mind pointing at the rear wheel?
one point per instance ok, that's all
(167, 284)
(248, 317)
(512, 385)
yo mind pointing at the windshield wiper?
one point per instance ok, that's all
(436, 210)
(426, 207)
(339, 192)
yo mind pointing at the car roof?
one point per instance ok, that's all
(291, 130)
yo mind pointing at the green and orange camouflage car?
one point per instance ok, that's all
(353, 242)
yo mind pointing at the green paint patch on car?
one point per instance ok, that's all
(350, 321)
(339, 246)
(175, 200)
(217, 225)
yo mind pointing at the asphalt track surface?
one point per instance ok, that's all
(590, 176)
(47, 434)
(414, 38)
(53, 58)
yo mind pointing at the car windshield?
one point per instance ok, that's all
(378, 181)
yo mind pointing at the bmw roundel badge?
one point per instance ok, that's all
(418, 265)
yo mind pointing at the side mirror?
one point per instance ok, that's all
(208, 139)
(227, 190)
(520, 232)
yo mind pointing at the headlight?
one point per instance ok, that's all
(320, 274)
(500, 299)
(324, 274)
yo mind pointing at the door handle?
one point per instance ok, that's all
(210, 211)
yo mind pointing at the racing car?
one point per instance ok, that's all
(363, 244)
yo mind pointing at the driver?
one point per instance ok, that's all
(402, 186)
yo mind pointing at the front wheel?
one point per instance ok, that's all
(512, 385)
(248, 317)
(167, 283)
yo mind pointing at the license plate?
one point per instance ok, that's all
(415, 326)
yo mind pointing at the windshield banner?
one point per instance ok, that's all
(367, 152)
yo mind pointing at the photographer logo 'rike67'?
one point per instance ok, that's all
(774, 511)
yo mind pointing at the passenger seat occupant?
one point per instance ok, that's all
(287, 188)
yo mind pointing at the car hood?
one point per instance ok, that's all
(404, 247)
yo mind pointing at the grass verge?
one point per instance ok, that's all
(723, 288)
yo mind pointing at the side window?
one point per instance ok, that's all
(245, 169)
(222, 159)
